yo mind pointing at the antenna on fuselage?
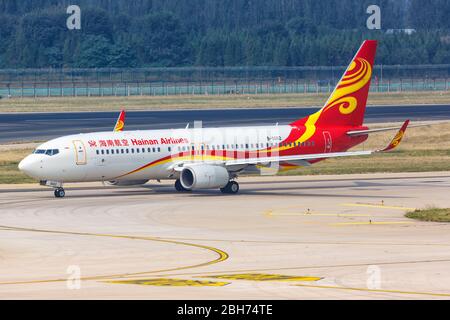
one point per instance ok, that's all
(187, 126)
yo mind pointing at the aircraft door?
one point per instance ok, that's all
(328, 141)
(80, 152)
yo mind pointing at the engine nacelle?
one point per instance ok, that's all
(126, 182)
(204, 177)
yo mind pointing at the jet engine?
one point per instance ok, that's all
(204, 177)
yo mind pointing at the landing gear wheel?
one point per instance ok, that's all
(179, 187)
(60, 193)
(232, 187)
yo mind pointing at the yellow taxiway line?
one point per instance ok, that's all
(369, 223)
(271, 213)
(374, 290)
(221, 255)
(378, 206)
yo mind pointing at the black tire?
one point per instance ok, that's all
(179, 187)
(60, 193)
(232, 187)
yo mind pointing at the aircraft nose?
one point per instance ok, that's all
(28, 165)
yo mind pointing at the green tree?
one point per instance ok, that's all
(160, 40)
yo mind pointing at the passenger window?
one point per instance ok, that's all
(121, 151)
(154, 150)
(148, 150)
(103, 151)
(169, 148)
(127, 150)
(112, 151)
(159, 149)
(97, 152)
(107, 151)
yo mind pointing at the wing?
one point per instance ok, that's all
(393, 144)
(301, 157)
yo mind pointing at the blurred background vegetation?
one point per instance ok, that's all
(173, 33)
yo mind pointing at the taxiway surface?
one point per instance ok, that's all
(328, 237)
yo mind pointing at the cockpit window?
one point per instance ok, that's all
(49, 152)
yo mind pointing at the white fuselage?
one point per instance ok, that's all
(106, 156)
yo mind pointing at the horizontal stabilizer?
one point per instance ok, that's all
(364, 132)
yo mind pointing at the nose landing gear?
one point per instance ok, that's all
(60, 193)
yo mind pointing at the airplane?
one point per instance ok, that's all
(213, 158)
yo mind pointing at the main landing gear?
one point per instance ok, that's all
(60, 193)
(232, 188)
(179, 187)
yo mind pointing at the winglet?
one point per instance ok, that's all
(120, 121)
(397, 139)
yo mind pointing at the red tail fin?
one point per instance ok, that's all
(347, 104)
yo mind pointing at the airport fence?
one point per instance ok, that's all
(211, 81)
